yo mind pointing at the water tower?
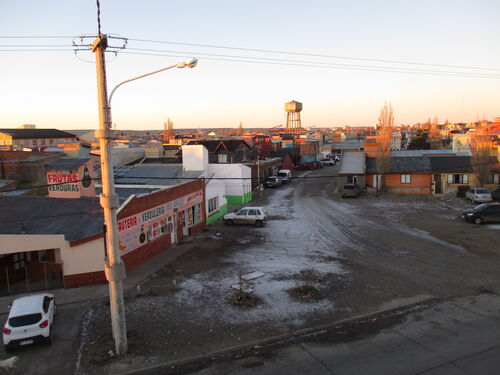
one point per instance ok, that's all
(293, 109)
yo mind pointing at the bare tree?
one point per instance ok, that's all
(384, 136)
(481, 147)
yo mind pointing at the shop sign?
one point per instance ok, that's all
(146, 226)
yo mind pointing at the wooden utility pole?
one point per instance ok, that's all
(113, 266)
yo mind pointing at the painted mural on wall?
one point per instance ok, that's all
(143, 227)
(71, 184)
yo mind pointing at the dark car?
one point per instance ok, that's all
(272, 181)
(318, 164)
(350, 190)
(484, 213)
(311, 165)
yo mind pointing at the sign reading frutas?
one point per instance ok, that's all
(71, 183)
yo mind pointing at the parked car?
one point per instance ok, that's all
(285, 175)
(484, 213)
(272, 181)
(336, 157)
(318, 164)
(350, 190)
(30, 320)
(328, 161)
(478, 195)
(247, 215)
(311, 165)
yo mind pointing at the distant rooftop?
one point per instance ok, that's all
(36, 133)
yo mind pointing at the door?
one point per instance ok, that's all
(438, 188)
(241, 217)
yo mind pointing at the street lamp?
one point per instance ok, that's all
(190, 63)
(114, 268)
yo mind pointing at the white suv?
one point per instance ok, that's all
(247, 215)
(30, 320)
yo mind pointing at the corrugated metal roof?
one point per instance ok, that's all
(166, 175)
(76, 219)
(352, 163)
(402, 165)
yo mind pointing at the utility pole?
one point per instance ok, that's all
(113, 265)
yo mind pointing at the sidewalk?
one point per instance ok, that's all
(133, 278)
(459, 337)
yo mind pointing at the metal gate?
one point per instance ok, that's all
(30, 277)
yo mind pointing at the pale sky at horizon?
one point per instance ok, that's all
(58, 90)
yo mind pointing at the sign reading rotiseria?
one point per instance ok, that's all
(71, 183)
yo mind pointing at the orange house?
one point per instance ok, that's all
(410, 175)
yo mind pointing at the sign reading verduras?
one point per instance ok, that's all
(146, 226)
(71, 183)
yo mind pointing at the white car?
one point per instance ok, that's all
(247, 215)
(30, 320)
(328, 161)
(478, 195)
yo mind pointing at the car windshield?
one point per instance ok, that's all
(482, 191)
(25, 320)
(348, 187)
(481, 206)
(282, 174)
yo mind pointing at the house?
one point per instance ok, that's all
(58, 242)
(34, 137)
(406, 175)
(352, 168)
(27, 169)
(226, 151)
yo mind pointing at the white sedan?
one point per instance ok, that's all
(478, 195)
(30, 320)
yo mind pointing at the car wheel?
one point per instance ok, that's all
(478, 220)
(229, 222)
(259, 223)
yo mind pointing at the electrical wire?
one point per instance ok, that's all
(312, 65)
(314, 55)
(313, 62)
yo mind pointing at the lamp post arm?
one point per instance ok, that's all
(138, 77)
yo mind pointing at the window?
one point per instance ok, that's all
(252, 212)
(458, 179)
(213, 205)
(242, 213)
(35, 142)
(18, 261)
(406, 178)
(42, 142)
(493, 179)
(222, 158)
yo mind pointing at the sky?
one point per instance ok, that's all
(57, 89)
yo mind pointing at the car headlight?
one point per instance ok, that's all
(470, 214)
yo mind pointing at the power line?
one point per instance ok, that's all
(314, 55)
(313, 65)
(315, 62)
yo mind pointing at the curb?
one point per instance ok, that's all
(425, 299)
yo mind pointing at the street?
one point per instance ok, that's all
(319, 259)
